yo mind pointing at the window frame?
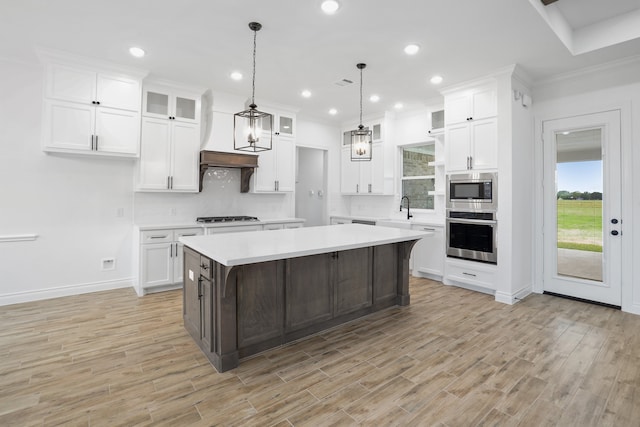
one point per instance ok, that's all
(402, 178)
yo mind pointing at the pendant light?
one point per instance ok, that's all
(252, 129)
(361, 145)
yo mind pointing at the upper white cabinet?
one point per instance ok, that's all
(362, 177)
(365, 177)
(170, 103)
(276, 168)
(91, 110)
(170, 141)
(471, 135)
(473, 104)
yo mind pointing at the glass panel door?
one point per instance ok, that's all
(582, 205)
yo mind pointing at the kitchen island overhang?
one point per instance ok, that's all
(248, 292)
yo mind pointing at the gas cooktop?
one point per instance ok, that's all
(208, 219)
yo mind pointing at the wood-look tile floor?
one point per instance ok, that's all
(452, 358)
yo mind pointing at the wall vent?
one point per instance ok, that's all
(344, 82)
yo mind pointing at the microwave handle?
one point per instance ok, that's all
(473, 221)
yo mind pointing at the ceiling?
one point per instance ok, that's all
(202, 41)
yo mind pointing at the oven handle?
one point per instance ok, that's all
(472, 221)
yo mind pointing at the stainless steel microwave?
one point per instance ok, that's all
(472, 191)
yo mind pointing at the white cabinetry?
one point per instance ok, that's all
(429, 253)
(282, 225)
(469, 274)
(170, 142)
(91, 111)
(471, 129)
(161, 257)
(362, 177)
(367, 177)
(276, 168)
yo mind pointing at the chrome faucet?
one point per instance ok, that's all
(408, 208)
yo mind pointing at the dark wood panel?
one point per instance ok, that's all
(309, 291)
(385, 274)
(206, 313)
(191, 302)
(260, 299)
(353, 285)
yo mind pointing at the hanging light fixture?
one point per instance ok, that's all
(250, 126)
(361, 145)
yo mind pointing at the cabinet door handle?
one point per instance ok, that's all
(369, 188)
(176, 250)
(97, 139)
(168, 182)
(357, 188)
(158, 237)
(468, 274)
(199, 287)
(428, 229)
(470, 162)
(187, 235)
(92, 142)
(172, 182)
(171, 251)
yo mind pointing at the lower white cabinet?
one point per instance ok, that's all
(428, 253)
(470, 274)
(282, 225)
(234, 229)
(161, 257)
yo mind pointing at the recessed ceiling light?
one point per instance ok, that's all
(330, 6)
(411, 49)
(305, 93)
(137, 52)
(333, 111)
(374, 98)
(436, 80)
(236, 75)
(398, 106)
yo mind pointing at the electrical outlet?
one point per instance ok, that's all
(108, 264)
(120, 212)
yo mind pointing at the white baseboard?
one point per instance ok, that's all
(64, 291)
(631, 308)
(513, 298)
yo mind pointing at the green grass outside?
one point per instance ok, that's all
(580, 225)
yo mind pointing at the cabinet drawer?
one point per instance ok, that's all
(156, 236)
(187, 232)
(273, 226)
(479, 276)
(236, 229)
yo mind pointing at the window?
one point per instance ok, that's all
(418, 175)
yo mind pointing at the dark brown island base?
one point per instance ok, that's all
(235, 311)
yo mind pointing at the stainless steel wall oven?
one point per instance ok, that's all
(471, 216)
(472, 236)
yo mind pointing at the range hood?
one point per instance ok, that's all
(218, 159)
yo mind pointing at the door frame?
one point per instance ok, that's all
(325, 179)
(576, 107)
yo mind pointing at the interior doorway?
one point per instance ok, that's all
(582, 206)
(311, 185)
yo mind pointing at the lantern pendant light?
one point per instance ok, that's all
(361, 144)
(253, 129)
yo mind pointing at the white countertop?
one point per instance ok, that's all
(232, 249)
(194, 224)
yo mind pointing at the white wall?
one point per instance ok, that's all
(72, 203)
(616, 86)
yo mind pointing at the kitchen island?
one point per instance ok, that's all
(248, 292)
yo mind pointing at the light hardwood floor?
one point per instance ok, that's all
(453, 357)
